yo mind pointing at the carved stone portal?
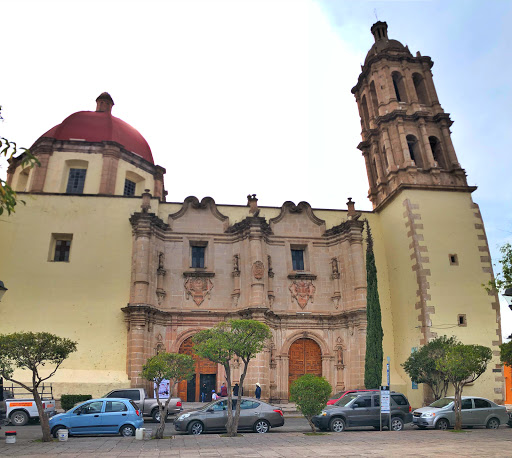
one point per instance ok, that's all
(258, 269)
(198, 288)
(302, 291)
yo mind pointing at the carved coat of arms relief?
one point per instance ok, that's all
(198, 288)
(302, 291)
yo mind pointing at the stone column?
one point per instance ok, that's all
(111, 155)
(40, 171)
(358, 267)
(403, 142)
(389, 151)
(452, 156)
(159, 183)
(426, 145)
(136, 344)
(257, 297)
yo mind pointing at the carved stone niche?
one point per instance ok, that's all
(338, 350)
(198, 285)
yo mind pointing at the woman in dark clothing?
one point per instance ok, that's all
(235, 389)
(257, 392)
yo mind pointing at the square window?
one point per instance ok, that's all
(198, 253)
(129, 188)
(461, 320)
(298, 259)
(454, 259)
(76, 181)
(60, 247)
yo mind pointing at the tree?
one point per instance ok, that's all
(421, 365)
(243, 339)
(463, 364)
(503, 279)
(31, 351)
(9, 149)
(310, 393)
(167, 366)
(374, 333)
(506, 353)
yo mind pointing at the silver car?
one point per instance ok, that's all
(475, 412)
(255, 415)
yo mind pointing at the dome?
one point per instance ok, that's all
(383, 43)
(101, 126)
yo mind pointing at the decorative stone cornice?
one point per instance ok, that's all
(147, 220)
(250, 222)
(207, 203)
(290, 207)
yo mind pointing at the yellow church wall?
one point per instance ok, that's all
(444, 224)
(80, 299)
(58, 171)
(143, 180)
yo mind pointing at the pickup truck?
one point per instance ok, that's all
(20, 406)
(148, 406)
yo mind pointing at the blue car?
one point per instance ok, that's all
(100, 416)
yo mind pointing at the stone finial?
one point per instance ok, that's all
(252, 203)
(351, 207)
(146, 201)
(104, 103)
(380, 31)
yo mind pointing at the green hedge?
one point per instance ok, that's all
(67, 401)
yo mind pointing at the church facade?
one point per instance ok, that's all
(98, 255)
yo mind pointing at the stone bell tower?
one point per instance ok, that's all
(405, 133)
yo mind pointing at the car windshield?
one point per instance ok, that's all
(443, 402)
(345, 400)
(337, 395)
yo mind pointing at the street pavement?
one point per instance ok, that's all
(288, 441)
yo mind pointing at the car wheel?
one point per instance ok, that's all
(55, 430)
(156, 415)
(19, 418)
(337, 425)
(493, 423)
(196, 428)
(261, 426)
(397, 424)
(442, 424)
(127, 431)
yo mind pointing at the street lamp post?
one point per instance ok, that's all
(507, 295)
(3, 289)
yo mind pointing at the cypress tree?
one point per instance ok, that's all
(374, 333)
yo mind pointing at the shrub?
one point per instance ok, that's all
(67, 401)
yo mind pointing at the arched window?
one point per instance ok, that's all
(22, 183)
(437, 151)
(414, 150)
(398, 84)
(385, 157)
(375, 100)
(366, 116)
(421, 90)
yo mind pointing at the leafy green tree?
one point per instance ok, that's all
(310, 394)
(463, 364)
(374, 333)
(8, 197)
(242, 339)
(167, 366)
(506, 353)
(421, 365)
(503, 279)
(31, 351)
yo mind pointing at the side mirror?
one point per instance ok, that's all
(209, 410)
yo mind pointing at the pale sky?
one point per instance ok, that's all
(238, 97)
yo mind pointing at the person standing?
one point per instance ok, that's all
(223, 390)
(204, 392)
(235, 389)
(214, 395)
(257, 391)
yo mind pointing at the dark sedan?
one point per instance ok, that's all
(255, 415)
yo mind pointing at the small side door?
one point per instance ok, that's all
(86, 419)
(360, 412)
(115, 415)
(216, 416)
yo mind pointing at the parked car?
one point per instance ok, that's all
(475, 412)
(148, 406)
(337, 396)
(363, 409)
(255, 415)
(100, 416)
(20, 406)
(510, 419)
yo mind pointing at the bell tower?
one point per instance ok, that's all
(405, 133)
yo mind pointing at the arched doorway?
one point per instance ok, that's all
(206, 373)
(305, 357)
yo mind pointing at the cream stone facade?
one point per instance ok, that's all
(136, 274)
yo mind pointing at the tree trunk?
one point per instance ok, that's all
(230, 427)
(43, 418)
(458, 405)
(311, 424)
(239, 399)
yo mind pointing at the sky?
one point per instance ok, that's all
(241, 96)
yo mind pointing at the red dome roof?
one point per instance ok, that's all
(100, 126)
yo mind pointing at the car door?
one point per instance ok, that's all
(374, 412)
(216, 416)
(249, 413)
(115, 416)
(360, 411)
(467, 412)
(481, 411)
(86, 419)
